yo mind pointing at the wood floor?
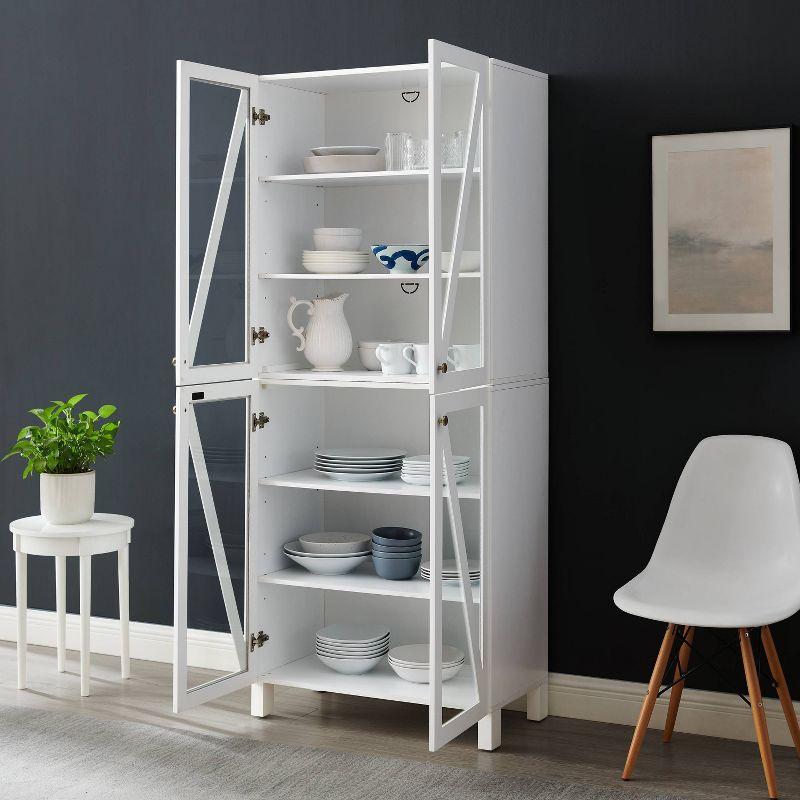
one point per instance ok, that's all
(570, 750)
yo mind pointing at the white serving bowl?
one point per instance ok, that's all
(328, 566)
(350, 666)
(337, 238)
(470, 260)
(366, 354)
(334, 542)
(417, 675)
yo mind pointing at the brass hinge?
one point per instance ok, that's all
(258, 640)
(261, 117)
(259, 335)
(259, 420)
(442, 367)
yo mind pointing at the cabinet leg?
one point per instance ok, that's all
(86, 610)
(489, 730)
(262, 699)
(537, 702)
(61, 612)
(124, 644)
(22, 615)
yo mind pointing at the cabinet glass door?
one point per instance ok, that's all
(213, 572)
(213, 174)
(457, 554)
(457, 88)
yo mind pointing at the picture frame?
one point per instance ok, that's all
(721, 254)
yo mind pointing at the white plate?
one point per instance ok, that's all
(355, 470)
(318, 165)
(363, 461)
(395, 663)
(418, 654)
(296, 549)
(334, 542)
(338, 255)
(427, 460)
(456, 470)
(360, 453)
(345, 150)
(418, 480)
(333, 268)
(421, 675)
(357, 476)
(328, 566)
(449, 566)
(350, 666)
(353, 632)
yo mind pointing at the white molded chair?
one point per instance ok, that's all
(728, 556)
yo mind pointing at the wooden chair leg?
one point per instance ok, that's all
(649, 701)
(783, 690)
(757, 707)
(677, 689)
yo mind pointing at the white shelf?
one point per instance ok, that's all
(364, 581)
(309, 479)
(367, 379)
(360, 276)
(379, 178)
(381, 683)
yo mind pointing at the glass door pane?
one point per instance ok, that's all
(217, 223)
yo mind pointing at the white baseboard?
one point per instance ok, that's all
(579, 697)
(206, 649)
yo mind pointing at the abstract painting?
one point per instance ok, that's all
(721, 231)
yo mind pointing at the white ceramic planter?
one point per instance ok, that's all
(66, 499)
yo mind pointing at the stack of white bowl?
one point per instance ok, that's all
(417, 469)
(335, 553)
(411, 663)
(352, 648)
(336, 252)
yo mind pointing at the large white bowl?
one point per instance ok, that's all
(416, 675)
(328, 566)
(295, 548)
(373, 652)
(350, 666)
(337, 238)
(470, 261)
(335, 542)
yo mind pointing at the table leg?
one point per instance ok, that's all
(122, 580)
(86, 610)
(22, 614)
(61, 611)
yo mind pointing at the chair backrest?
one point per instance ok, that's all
(735, 510)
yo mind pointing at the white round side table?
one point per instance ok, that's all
(103, 533)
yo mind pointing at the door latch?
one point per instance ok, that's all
(257, 640)
(259, 420)
(261, 117)
(259, 335)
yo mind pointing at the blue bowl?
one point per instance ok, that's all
(401, 257)
(396, 536)
(385, 548)
(384, 554)
(396, 569)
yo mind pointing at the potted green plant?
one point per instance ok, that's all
(63, 451)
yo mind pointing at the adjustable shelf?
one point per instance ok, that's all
(359, 276)
(309, 479)
(363, 580)
(354, 378)
(348, 179)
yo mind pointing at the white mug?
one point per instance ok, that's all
(390, 354)
(420, 352)
(464, 356)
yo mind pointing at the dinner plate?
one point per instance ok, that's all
(360, 453)
(357, 470)
(357, 476)
(345, 150)
(424, 480)
(426, 460)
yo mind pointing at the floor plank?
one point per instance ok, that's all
(571, 750)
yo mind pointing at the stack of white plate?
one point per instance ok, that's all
(343, 553)
(352, 648)
(358, 463)
(417, 469)
(410, 662)
(450, 571)
(335, 261)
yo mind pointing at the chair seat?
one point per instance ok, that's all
(670, 595)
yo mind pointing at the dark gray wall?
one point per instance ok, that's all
(87, 239)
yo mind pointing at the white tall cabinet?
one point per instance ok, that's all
(250, 412)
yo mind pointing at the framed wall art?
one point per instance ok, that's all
(721, 231)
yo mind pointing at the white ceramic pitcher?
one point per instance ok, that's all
(327, 341)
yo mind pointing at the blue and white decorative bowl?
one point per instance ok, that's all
(401, 257)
